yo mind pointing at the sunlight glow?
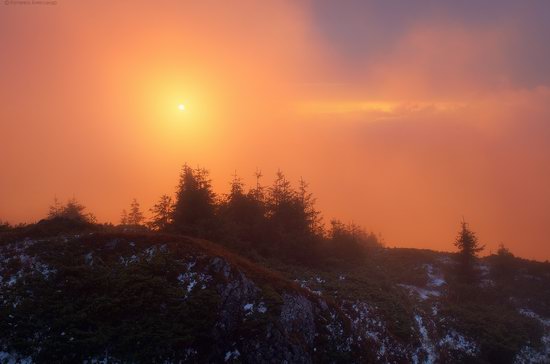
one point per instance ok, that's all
(181, 107)
(380, 108)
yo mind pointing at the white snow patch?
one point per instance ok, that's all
(12, 281)
(456, 341)
(235, 354)
(370, 329)
(129, 260)
(8, 358)
(336, 329)
(435, 279)
(190, 286)
(105, 360)
(484, 283)
(381, 351)
(433, 289)
(530, 354)
(422, 293)
(533, 315)
(426, 344)
(150, 252)
(305, 284)
(249, 307)
(28, 265)
(191, 279)
(89, 258)
(484, 269)
(44, 269)
(446, 260)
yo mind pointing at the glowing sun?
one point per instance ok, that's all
(181, 107)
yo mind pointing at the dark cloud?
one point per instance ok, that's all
(363, 33)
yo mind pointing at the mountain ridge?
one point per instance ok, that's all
(149, 297)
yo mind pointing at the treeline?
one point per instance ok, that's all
(277, 220)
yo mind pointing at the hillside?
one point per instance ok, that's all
(119, 297)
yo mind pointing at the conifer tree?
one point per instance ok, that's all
(294, 224)
(243, 214)
(135, 216)
(280, 193)
(258, 191)
(350, 242)
(237, 186)
(194, 209)
(504, 264)
(72, 210)
(162, 213)
(124, 217)
(468, 246)
(4, 225)
(503, 251)
(55, 209)
(312, 216)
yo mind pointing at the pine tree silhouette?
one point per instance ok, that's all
(194, 210)
(162, 214)
(468, 246)
(135, 216)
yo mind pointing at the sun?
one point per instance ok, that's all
(181, 107)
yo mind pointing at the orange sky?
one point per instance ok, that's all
(403, 118)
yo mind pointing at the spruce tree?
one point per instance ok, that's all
(162, 213)
(243, 214)
(56, 209)
(135, 216)
(124, 217)
(312, 216)
(194, 209)
(72, 210)
(468, 246)
(4, 226)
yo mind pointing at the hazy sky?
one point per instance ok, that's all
(404, 116)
